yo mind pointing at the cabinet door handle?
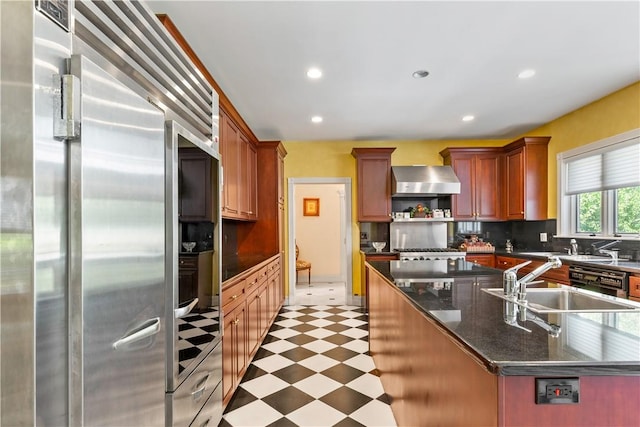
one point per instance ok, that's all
(235, 322)
(234, 296)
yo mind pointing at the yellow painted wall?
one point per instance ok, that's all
(611, 115)
(614, 114)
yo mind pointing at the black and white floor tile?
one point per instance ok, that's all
(195, 332)
(313, 369)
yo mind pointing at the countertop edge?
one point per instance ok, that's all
(506, 368)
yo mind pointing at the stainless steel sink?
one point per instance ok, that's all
(567, 300)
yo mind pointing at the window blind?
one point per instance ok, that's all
(616, 166)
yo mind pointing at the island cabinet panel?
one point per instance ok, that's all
(430, 378)
(604, 401)
(374, 183)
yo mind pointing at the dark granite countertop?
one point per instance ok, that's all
(450, 293)
(232, 265)
(621, 264)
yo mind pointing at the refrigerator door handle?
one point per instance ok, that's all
(185, 308)
(147, 329)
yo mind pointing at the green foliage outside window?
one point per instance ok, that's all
(628, 210)
(627, 207)
(589, 212)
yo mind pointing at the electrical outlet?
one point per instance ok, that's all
(543, 237)
(557, 390)
(554, 391)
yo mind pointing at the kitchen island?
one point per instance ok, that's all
(447, 357)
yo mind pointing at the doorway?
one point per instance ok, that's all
(323, 236)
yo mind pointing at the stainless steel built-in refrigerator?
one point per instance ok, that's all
(85, 96)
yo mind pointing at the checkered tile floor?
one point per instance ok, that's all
(195, 333)
(313, 369)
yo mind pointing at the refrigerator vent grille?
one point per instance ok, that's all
(130, 36)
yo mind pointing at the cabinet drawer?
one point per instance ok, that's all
(634, 286)
(188, 262)
(191, 395)
(263, 274)
(273, 267)
(503, 262)
(233, 293)
(211, 412)
(251, 281)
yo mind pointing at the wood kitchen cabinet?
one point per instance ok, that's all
(195, 201)
(250, 304)
(234, 350)
(267, 234)
(479, 171)
(506, 262)
(487, 260)
(557, 275)
(239, 161)
(373, 183)
(634, 288)
(247, 190)
(525, 195)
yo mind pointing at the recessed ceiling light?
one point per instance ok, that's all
(420, 74)
(314, 73)
(316, 119)
(526, 74)
(468, 118)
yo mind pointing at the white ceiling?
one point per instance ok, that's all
(259, 52)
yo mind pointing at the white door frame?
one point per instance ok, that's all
(345, 233)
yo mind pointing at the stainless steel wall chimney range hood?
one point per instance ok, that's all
(413, 181)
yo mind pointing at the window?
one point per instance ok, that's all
(599, 188)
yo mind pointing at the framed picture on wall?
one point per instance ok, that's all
(311, 207)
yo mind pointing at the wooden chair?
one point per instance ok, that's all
(302, 265)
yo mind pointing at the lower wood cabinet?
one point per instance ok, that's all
(557, 275)
(487, 260)
(250, 304)
(634, 288)
(234, 350)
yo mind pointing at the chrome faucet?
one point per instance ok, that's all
(511, 313)
(517, 288)
(574, 247)
(613, 253)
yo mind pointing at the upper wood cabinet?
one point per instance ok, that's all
(479, 171)
(248, 189)
(374, 183)
(267, 234)
(239, 165)
(195, 201)
(525, 195)
(501, 183)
